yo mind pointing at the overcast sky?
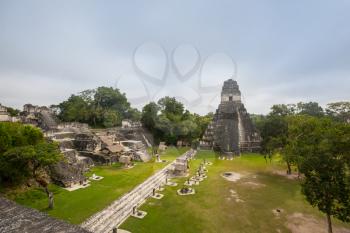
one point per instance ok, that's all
(285, 51)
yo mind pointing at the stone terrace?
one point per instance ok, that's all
(17, 218)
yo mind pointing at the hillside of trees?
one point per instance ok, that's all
(100, 107)
(169, 121)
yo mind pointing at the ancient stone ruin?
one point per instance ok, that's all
(5, 116)
(83, 147)
(40, 116)
(231, 131)
(17, 218)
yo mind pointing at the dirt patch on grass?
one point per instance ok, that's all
(301, 223)
(234, 195)
(277, 212)
(293, 176)
(231, 176)
(252, 184)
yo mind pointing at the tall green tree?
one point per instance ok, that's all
(111, 118)
(172, 108)
(98, 107)
(274, 134)
(322, 146)
(74, 109)
(149, 115)
(310, 108)
(169, 121)
(283, 109)
(339, 111)
(12, 111)
(133, 114)
(24, 154)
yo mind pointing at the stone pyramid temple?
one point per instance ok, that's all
(232, 130)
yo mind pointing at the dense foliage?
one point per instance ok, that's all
(101, 107)
(24, 155)
(23, 151)
(12, 111)
(317, 142)
(169, 121)
(273, 127)
(339, 111)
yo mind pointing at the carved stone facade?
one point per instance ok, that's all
(231, 131)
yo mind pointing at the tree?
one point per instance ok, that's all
(97, 107)
(149, 115)
(108, 97)
(310, 108)
(46, 154)
(274, 131)
(203, 122)
(74, 109)
(13, 112)
(258, 121)
(339, 111)
(323, 147)
(111, 118)
(165, 129)
(171, 107)
(169, 121)
(25, 154)
(283, 109)
(133, 114)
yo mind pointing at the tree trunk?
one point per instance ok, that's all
(289, 169)
(329, 222)
(94, 120)
(50, 196)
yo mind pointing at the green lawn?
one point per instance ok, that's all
(212, 209)
(78, 205)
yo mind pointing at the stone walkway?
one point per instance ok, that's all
(116, 213)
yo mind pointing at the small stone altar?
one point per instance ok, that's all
(95, 177)
(138, 213)
(186, 191)
(170, 183)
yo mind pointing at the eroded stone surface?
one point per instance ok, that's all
(17, 218)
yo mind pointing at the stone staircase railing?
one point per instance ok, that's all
(117, 212)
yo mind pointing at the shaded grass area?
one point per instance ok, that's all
(213, 209)
(78, 205)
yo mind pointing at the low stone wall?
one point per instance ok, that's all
(115, 214)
